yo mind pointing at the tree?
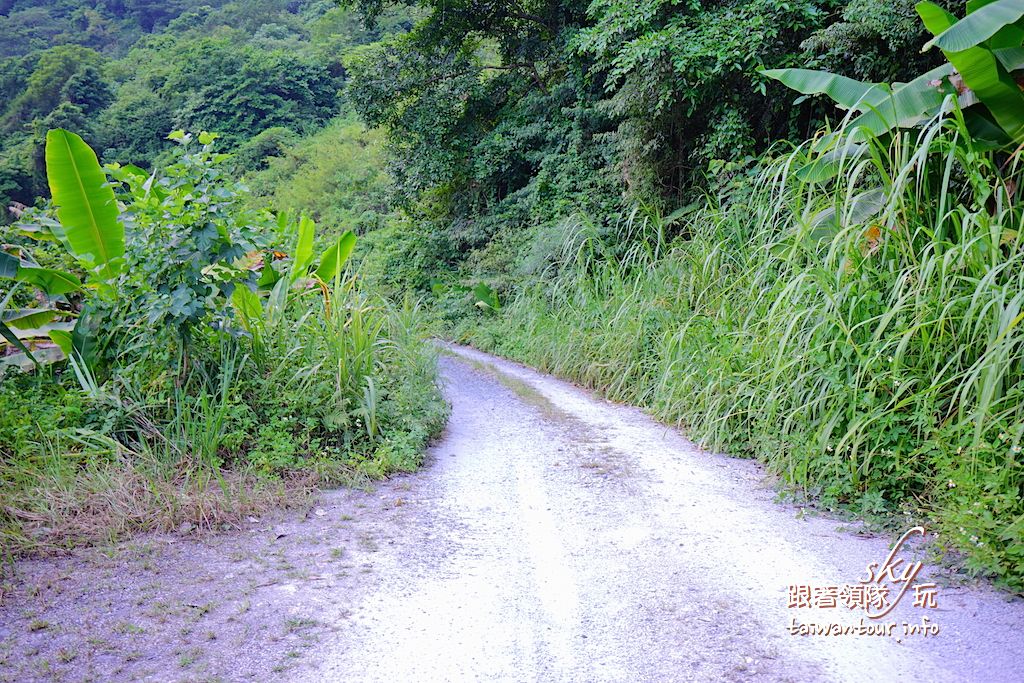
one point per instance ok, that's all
(152, 13)
(88, 90)
(875, 40)
(684, 80)
(240, 93)
(45, 86)
(135, 127)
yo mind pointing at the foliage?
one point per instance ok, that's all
(225, 368)
(683, 76)
(240, 92)
(189, 236)
(84, 204)
(875, 40)
(860, 335)
(984, 52)
(336, 175)
(123, 75)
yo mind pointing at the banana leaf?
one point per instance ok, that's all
(27, 318)
(883, 108)
(53, 282)
(981, 24)
(847, 93)
(979, 67)
(303, 247)
(85, 204)
(333, 260)
(9, 265)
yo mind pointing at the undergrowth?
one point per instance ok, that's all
(141, 455)
(854, 327)
(208, 374)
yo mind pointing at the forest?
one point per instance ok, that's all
(788, 227)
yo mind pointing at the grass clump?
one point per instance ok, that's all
(339, 400)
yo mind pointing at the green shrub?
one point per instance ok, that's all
(213, 367)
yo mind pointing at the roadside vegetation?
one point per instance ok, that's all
(863, 345)
(637, 205)
(180, 349)
(628, 194)
(208, 364)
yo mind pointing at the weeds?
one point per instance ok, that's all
(858, 331)
(209, 373)
(334, 398)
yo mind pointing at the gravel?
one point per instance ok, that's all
(551, 536)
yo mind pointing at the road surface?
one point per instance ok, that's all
(551, 536)
(570, 539)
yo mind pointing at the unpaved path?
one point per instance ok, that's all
(551, 536)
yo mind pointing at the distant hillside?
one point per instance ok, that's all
(124, 74)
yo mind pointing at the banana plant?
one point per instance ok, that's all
(969, 45)
(986, 59)
(53, 282)
(8, 334)
(255, 314)
(88, 226)
(21, 327)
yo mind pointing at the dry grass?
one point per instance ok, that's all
(45, 512)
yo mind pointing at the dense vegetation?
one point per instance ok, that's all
(123, 75)
(634, 184)
(629, 194)
(176, 354)
(208, 349)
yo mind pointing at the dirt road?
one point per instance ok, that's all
(550, 537)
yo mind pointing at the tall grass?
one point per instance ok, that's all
(858, 333)
(336, 385)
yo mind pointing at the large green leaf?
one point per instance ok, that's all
(86, 338)
(303, 247)
(268, 275)
(249, 308)
(827, 165)
(986, 134)
(485, 297)
(41, 333)
(981, 71)
(62, 338)
(41, 228)
(53, 282)
(1009, 36)
(9, 265)
(333, 260)
(28, 318)
(85, 203)
(977, 27)
(905, 105)
(8, 334)
(845, 92)
(26, 361)
(1012, 58)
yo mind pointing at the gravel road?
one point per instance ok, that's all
(551, 536)
(576, 540)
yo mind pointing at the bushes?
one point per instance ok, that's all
(335, 175)
(211, 374)
(860, 335)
